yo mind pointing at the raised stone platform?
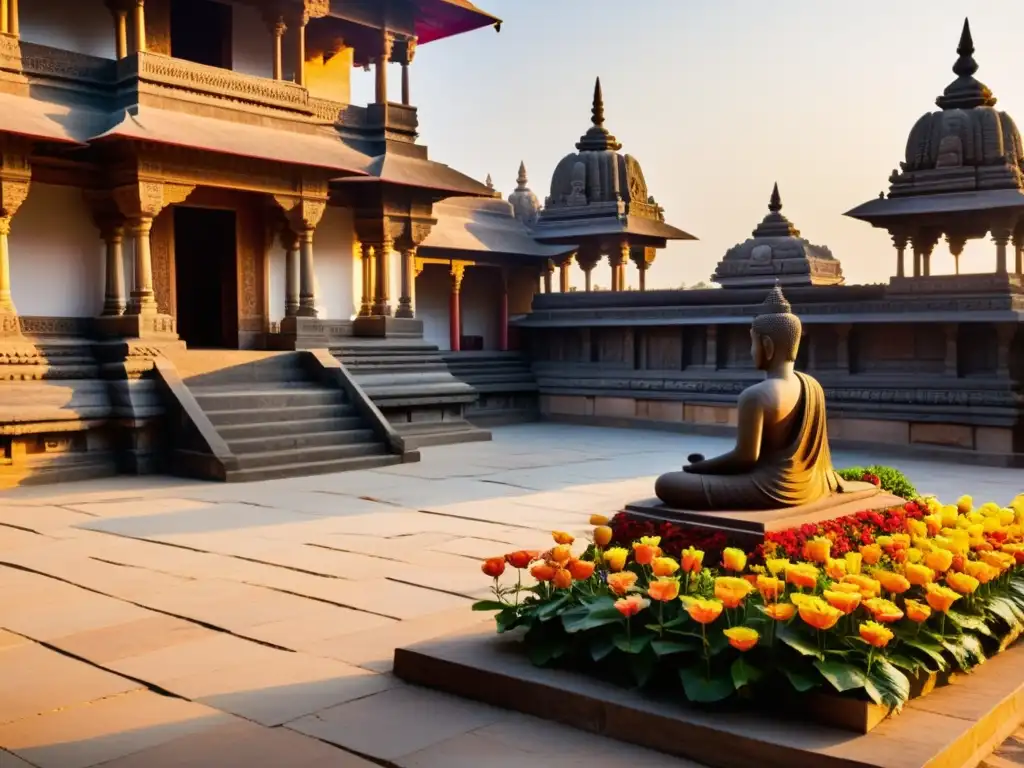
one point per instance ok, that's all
(953, 727)
(749, 528)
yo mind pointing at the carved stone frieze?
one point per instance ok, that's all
(161, 247)
(302, 213)
(147, 197)
(59, 64)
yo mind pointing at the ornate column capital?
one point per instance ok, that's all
(457, 273)
(145, 199)
(405, 50)
(302, 213)
(387, 44)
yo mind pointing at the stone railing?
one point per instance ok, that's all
(58, 64)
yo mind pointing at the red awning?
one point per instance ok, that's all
(438, 19)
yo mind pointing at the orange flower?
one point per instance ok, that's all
(598, 520)
(940, 598)
(918, 574)
(615, 558)
(891, 582)
(562, 579)
(561, 537)
(983, 572)
(602, 536)
(770, 587)
(693, 560)
(703, 611)
(835, 569)
(875, 634)
(732, 590)
(780, 611)
(868, 586)
(962, 583)
(663, 590)
(543, 572)
(817, 550)
(1001, 561)
(742, 638)
(493, 566)
(644, 554)
(1017, 550)
(621, 583)
(846, 602)
(883, 610)
(522, 558)
(871, 553)
(581, 570)
(802, 575)
(631, 606)
(917, 612)
(734, 559)
(847, 587)
(562, 553)
(819, 614)
(664, 566)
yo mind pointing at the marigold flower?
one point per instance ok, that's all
(543, 572)
(603, 536)
(664, 566)
(562, 579)
(883, 610)
(561, 537)
(615, 558)
(917, 574)
(734, 559)
(868, 587)
(632, 605)
(819, 614)
(962, 583)
(702, 611)
(561, 554)
(917, 528)
(939, 560)
(871, 553)
(803, 575)
(732, 590)
(692, 560)
(663, 590)
(817, 549)
(875, 634)
(780, 611)
(644, 554)
(917, 611)
(521, 558)
(770, 587)
(845, 587)
(599, 520)
(742, 638)
(493, 566)
(621, 583)
(776, 565)
(914, 555)
(846, 602)
(853, 562)
(964, 505)
(581, 570)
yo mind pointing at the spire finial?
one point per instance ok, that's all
(521, 178)
(966, 65)
(597, 111)
(775, 204)
(966, 92)
(489, 182)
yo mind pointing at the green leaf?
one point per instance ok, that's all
(799, 679)
(906, 663)
(973, 623)
(699, 688)
(669, 647)
(642, 665)
(587, 617)
(1004, 609)
(601, 644)
(545, 649)
(891, 685)
(966, 650)
(843, 677)
(509, 619)
(744, 673)
(549, 610)
(489, 605)
(932, 651)
(798, 642)
(634, 644)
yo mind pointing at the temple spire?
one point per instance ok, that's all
(775, 204)
(597, 138)
(521, 179)
(966, 92)
(489, 182)
(775, 224)
(597, 110)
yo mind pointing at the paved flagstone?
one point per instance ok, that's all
(162, 622)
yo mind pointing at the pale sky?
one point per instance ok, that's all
(717, 99)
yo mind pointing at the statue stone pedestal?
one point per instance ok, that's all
(746, 529)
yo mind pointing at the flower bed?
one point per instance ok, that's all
(872, 614)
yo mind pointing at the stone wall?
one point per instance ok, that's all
(939, 370)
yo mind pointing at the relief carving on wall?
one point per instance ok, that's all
(161, 245)
(251, 252)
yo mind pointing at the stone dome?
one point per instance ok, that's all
(946, 147)
(525, 204)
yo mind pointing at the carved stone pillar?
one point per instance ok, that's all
(587, 263)
(503, 310)
(643, 257)
(956, 249)
(843, 347)
(924, 243)
(565, 275)
(547, 271)
(711, 347)
(618, 261)
(112, 232)
(292, 272)
(458, 271)
(406, 53)
(139, 22)
(278, 29)
(300, 49)
(4, 15)
(303, 214)
(407, 300)
(1005, 333)
(13, 22)
(366, 268)
(950, 364)
(382, 270)
(1018, 253)
(900, 240)
(1001, 237)
(14, 185)
(119, 14)
(387, 43)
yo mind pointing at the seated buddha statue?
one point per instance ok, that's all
(781, 458)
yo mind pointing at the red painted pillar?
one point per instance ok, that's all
(503, 314)
(455, 310)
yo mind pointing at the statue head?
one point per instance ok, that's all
(775, 332)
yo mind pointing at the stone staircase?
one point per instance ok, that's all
(412, 385)
(504, 382)
(275, 417)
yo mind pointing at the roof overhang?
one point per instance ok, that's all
(46, 121)
(438, 19)
(406, 171)
(477, 226)
(888, 211)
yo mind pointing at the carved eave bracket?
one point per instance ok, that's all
(302, 213)
(146, 199)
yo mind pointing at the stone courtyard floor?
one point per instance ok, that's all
(157, 622)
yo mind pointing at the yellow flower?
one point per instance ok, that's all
(770, 587)
(817, 549)
(664, 566)
(599, 520)
(875, 634)
(663, 590)
(734, 559)
(917, 612)
(742, 638)
(621, 583)
(964, 505)
(962, 582)
(983, 572)
(949, 514)
(693, 560)
(915, 555)
(803, 575)
(998, 560)
(846, 602)
(602, 536)
(732, 590)
(835, 569)
(561, 537)
(939, 560)
(847, 587)
(868, 587)
(853, 562)
(819, 614)
(917, 528)
(616, 558)
(799, 598)
(940, 598)
(934, 523)
(1006, 516)
(918, 575)
(883, 610)
(781, 611)
(776, 565)
(702, 611)
(651, 541)
(891, 582)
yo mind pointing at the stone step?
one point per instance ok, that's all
(298, 441)
(266, 428)
(310, 455)
(279, 397)
(315, 468)
(254, 417)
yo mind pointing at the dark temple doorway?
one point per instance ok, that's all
(201, 32)
(206, 277)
